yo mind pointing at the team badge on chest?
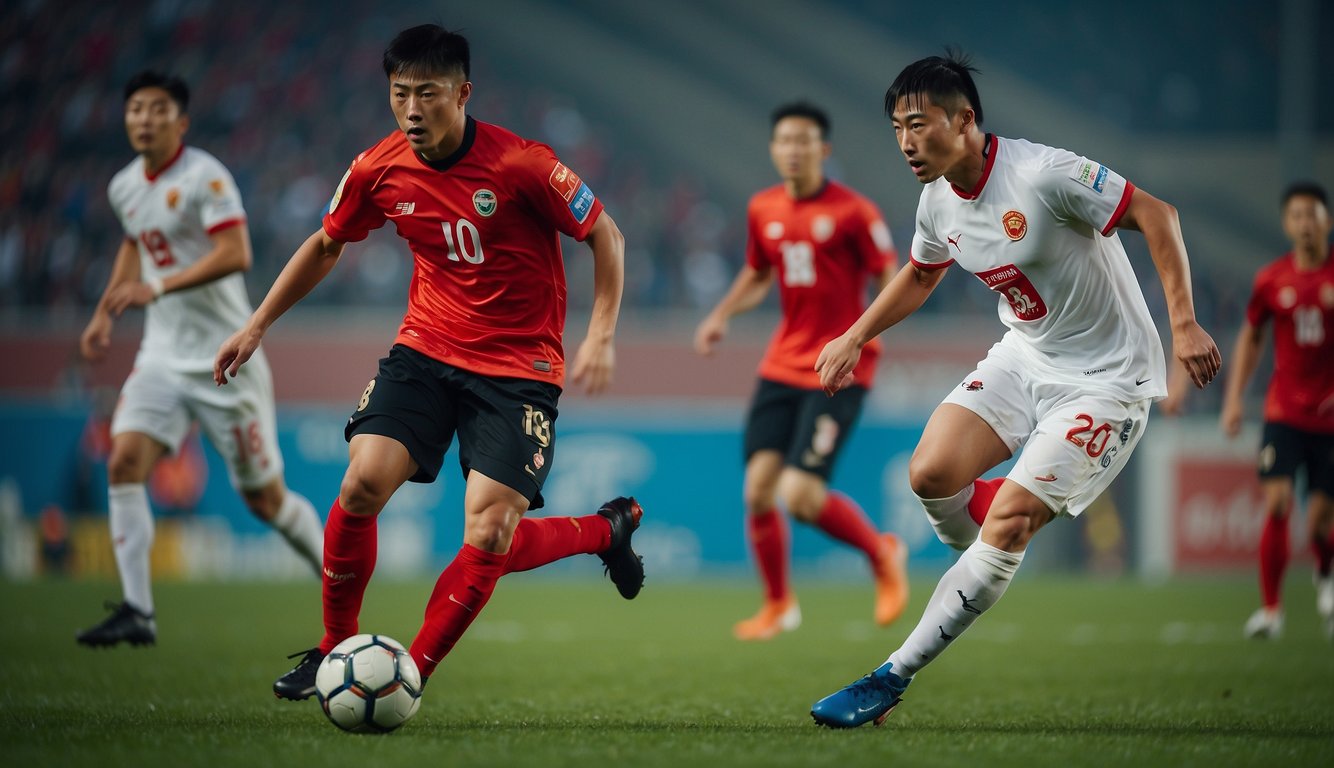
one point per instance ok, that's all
(484, 200)
(1016, 226)
(173, 197)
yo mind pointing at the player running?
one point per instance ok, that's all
(1068, 386)
(822, 240)
(479, 351)
(1296, 291)
(186, 245)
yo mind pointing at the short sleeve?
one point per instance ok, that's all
(1087, 190)
(1258, 310)
(219, 200)
(928, 252)
(352, 212)
(872, 238)
(754, 254)
(557, 193)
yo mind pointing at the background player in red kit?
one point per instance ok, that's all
(479, 351)
(1296, 292)
(822, 240)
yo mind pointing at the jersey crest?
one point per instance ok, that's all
(1016, 226)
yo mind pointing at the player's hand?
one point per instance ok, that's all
(96, 338)
(711, 330)
(233, 353)
(127, 295)
(1196, 350)
(836, 363)
(593, 365)
(1230, 419)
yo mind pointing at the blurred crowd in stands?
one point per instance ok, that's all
(285, 95)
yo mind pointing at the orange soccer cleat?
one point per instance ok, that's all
(775, 616)
(891, 580)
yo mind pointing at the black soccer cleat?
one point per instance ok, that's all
(126, 624)
(625, 568)
(299, 683)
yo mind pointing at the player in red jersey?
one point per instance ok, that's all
(479, 351)
(1296, 292)
(821, 240)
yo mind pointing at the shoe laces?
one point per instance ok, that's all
(875, 689)
(310, 655)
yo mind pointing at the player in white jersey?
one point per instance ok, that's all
(186, 244)
(1069, 385)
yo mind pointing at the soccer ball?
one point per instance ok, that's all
(368, 684)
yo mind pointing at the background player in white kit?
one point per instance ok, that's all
(1070, 383)
(186, 244)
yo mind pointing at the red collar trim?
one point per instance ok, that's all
(986, 173)
(153, 176)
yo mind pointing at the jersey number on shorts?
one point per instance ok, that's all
(462, 239)
(798, 263)
(159, 250)
(249, 443)
(1096, 442)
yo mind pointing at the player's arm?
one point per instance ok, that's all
(1245, 358)
(748, 290)
(307, 267)
(1178, 389)
(904, 295)
(1191, 344)
(96, 337)
(596, 358)
(230, 253)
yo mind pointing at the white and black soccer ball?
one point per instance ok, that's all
(368, 684)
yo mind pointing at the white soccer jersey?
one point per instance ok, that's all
(1037, 229)
(170, 216)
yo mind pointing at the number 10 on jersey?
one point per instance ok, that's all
(462, 240)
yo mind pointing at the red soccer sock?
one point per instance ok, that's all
(1273, 559)
(349, 560)
(984, 491)
(542, 540)
(1322, 547)
(842, 519)
(768, 533)
(460, 594)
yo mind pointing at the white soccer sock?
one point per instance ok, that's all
(968, 588)
(950, 518)
(300, 524)
(131, 523)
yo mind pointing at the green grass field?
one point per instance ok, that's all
(563, 673)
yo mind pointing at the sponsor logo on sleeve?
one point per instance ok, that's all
(880, 235)
(565, 181)
(582, 203)
(217, 187)
(1090, 174)
(338, 193)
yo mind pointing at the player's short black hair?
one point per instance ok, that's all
(427, 49)
(946, 80)
(174, 86)
(1304, 188)
(802, 109)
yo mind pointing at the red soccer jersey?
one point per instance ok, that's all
(484, 224)
(1301, 304)
(821, 248)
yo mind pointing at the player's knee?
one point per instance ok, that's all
(361, 494)
(930, 479)
(1011, 529)
(262, 503)
(126, 467)
(489, 535)
(759, 499)
(802, 503)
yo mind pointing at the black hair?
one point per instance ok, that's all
(946, 80)
(802, 109)
(425, 50)
(1304, 188)
(174, 86)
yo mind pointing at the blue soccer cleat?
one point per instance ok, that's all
(869, 699)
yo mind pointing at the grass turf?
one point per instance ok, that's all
(563, 673)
